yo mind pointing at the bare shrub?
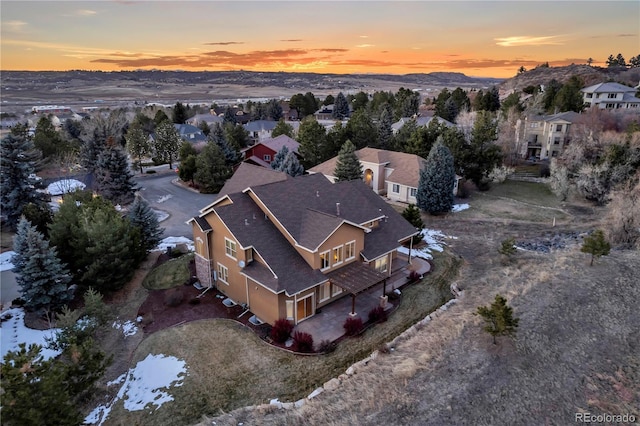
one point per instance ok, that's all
(559, 181)
(623, 217)
(499, 174)
(593, 182)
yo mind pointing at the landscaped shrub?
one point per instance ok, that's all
(326, 346)
(303, 342)
(377, 314)
(353, 326)
(281, 330)
(414, 276)
(173, 297)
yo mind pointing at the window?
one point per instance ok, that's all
(381, 264)
(230, 248)
(395, 188)
(612, 96)
(558, 127)
(267, 157)
(556, 141)
(589, 95)
(413, 192)
(289, 305)
(350, 250)
(249, 255)
(336, 290)
(324, 260)
(338, 255)
(200, 246)
(223, 273)
(324, 291)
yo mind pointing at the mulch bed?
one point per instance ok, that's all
(157, 313)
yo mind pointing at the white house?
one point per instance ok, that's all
(611, 96)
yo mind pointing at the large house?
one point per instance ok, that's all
(544, 136)
(423, 120)
(390, 173)
(263, 152)
(611, 96)
(284, 247)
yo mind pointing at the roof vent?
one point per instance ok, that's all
(317, 193)
(246, 222)
(337, 209)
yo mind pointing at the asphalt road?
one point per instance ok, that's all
(180, 204)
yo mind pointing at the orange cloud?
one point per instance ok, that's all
(224, 43)
(527, 41)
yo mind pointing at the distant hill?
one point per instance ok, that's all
(590, 75)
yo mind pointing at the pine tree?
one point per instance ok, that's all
(435, 188)
(167, 142)
(498, 318)
(138, 144)
(413, 216)
(229, 116)
(180, 113)
(361, 130)
(596, 245)
(292, 166)
(114, 180)
(340, 107)
(278, 159)
(142, 217)
(273, 110)
(507, 247)
(100, 132)
(42, 278)
(18, 185)
(348, 166)
(312, 137)
(385, 132)
(282, 128)
(211, 168)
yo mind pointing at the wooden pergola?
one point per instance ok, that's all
(355, 278)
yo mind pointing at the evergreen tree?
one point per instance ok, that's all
(236, 136)
(102, 131)
(114, 180)
(273, 110)
(482, 155)
(40, 216)
(142, 217)
(596, 245)
(138, 144)
(508, 247)
(423, 138)
(42, 278)
(336, 137)
(160, 117)
(385, 133)
(498, 318)
(188, 168)
(441, 100)
(312, 138)
(340, 107)
(569, 97)
(229, 116)
(329, 100)
(180, 113)
(18, 184)
(550, 92)
(291, 165)
(361, 130)
(435, 187)
(204, 127)
(211, 168)
(360, 100)
(348, 166)
(413, 216)
(282, 128)
(407, 103)
(402, 137)
(167, 142)
(47, 139)
(278, 159)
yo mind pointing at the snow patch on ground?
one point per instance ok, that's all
(64, 186)
(13, 332)
(145, 384)
(164, 198)
(161, 215)
(459, 207)
(173, 241)
(434, 240)
(128, 328)
(5, 261)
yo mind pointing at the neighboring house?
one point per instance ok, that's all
(544, 136)
(611, 96)
(210, 119)
(284, 247)
(390, 173)
(191, 134)
(57, 120)
(260, 129)
(263, 152)
(420, 121)
(324, 113)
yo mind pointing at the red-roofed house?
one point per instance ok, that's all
(263, 152)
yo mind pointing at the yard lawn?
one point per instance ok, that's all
(170, 274)
(229, 367)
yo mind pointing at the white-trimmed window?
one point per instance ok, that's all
(289, 306)
(612, 96)
(324, 260)
(558, 127)
(381, 264)
(249, 255)
(395, 188)
(223, 273)
(413, 192)
(200, 246)
(350, 250)
(338, 255)
(230, 248)
(335, 290)
(324, 291)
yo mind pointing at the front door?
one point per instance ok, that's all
(305, 307)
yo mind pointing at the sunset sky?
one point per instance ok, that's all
(477, 38)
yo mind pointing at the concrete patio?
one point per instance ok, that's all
(327, 323)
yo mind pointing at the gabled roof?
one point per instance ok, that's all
(245, 176)
(207, 118)
(406, 167)
(278, 142)
(569, 116)
(190, 133)
(248, 224)
(258, 125)
(608, 87)
(420, 121)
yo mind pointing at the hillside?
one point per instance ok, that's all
(590, 75)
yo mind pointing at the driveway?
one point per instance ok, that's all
(180, 204)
